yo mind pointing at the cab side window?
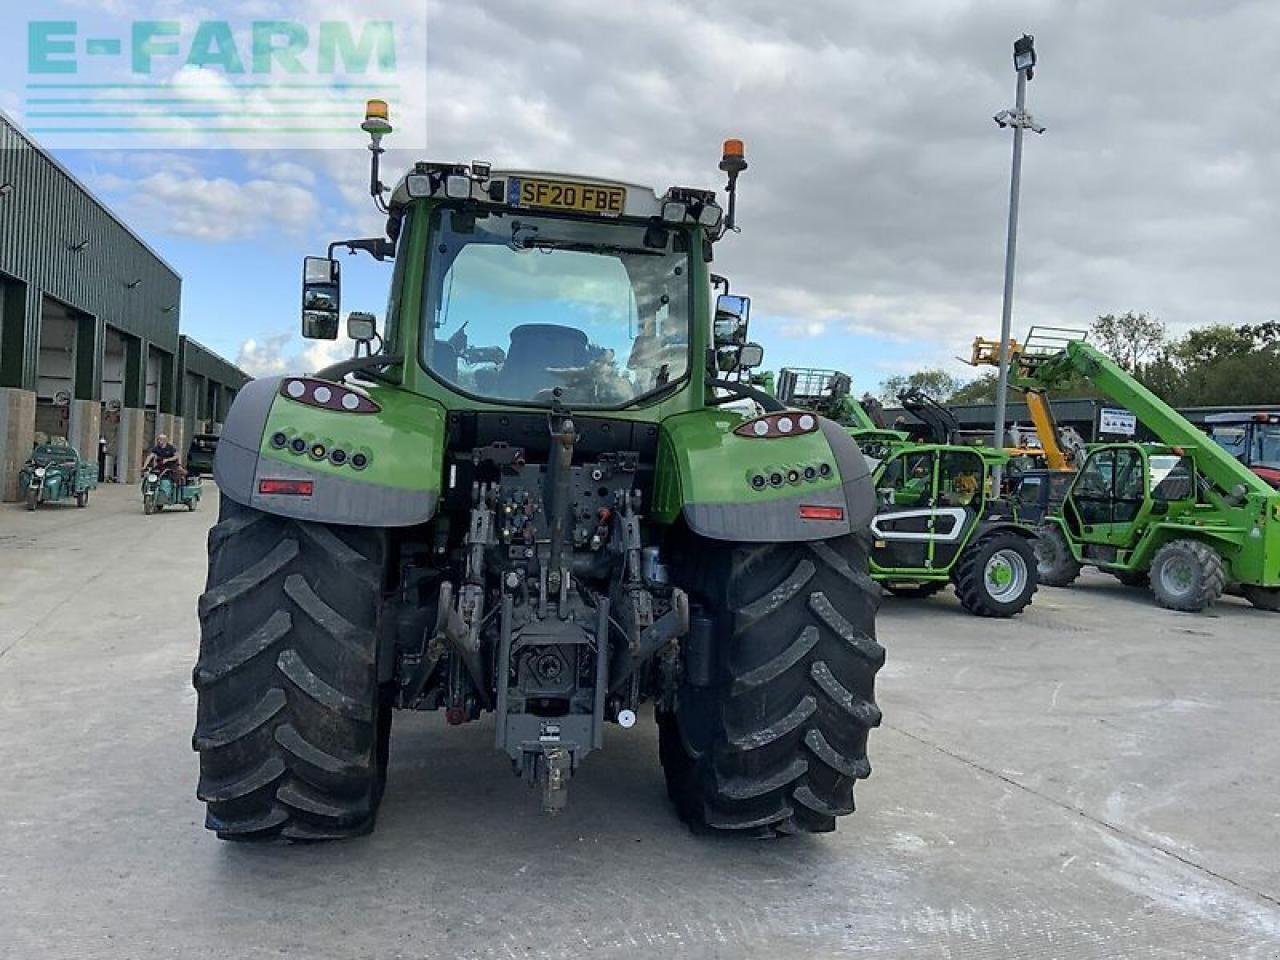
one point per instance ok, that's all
(1094, 487)
(960, 479)
(1172, 480)
(1130, 486)
(907, 481)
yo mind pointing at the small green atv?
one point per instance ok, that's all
(53, 472)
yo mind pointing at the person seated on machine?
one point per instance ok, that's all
(163, 458)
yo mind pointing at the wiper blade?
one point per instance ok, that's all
(579, 247)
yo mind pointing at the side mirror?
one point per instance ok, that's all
(732, 316)
(362, 327)
(321, 298)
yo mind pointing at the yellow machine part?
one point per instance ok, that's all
(987, 353)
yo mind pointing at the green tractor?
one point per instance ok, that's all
(535, 495)
(1182, 515)
(937, 521)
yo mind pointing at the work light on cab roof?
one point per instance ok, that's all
(571, 194)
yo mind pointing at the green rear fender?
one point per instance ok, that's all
(705, 473)
(402, 446)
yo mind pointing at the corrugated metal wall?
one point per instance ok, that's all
(42, 216)
(207, 386)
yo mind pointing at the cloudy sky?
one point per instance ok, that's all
(873, 212)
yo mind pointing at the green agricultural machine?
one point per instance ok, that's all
(1181, 515)
(532, 496)
(937, 520)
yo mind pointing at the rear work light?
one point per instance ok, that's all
(329, 396)
(297, 488)
(814, 512)
(778, 425)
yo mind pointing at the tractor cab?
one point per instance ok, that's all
(1120, 489)
(1252, 438)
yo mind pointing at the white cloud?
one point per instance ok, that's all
(283, 352)
(876, 198)
(264, 357)
(179, 200)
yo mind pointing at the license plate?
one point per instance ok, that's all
(567, 195)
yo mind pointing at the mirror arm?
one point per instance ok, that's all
(336, 371)
(377, 247)
(770, 403)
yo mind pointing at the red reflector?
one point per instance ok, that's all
(821, 513)
(301, 488)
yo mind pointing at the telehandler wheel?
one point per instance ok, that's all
(1264, 598)
(291, 725)
(1187, 575)
(915, 591)
(1056, 566)
(773, 744)
(996, 575)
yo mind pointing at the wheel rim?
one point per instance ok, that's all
(1005, 575)
(1177, 576)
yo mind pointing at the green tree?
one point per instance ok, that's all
(1129, 338)
(936, 383)
(979, 390)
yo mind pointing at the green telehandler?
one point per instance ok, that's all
(531, 496)
(937, 521)
(1181, 515)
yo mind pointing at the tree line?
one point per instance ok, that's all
(1214, 365)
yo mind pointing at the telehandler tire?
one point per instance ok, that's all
(1056, 566)
(1187, 575)
(291, 725)
(775, 740)
(996, 575)
(915, 591)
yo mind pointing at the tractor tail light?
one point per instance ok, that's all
(816, 512)
(329, 396)
(778, 425)
(297, 488)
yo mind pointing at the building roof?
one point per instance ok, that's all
(34, 145)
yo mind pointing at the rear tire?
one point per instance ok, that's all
(776, 742)
(915, 591)
(1056, 565)
(1187, 575)
(1264, 598)
(996, 575)
(291, 725)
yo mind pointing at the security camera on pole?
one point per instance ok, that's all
(1024, 61)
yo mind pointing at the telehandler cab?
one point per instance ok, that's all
(531, 500)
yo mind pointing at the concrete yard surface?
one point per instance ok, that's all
(1097, 778)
